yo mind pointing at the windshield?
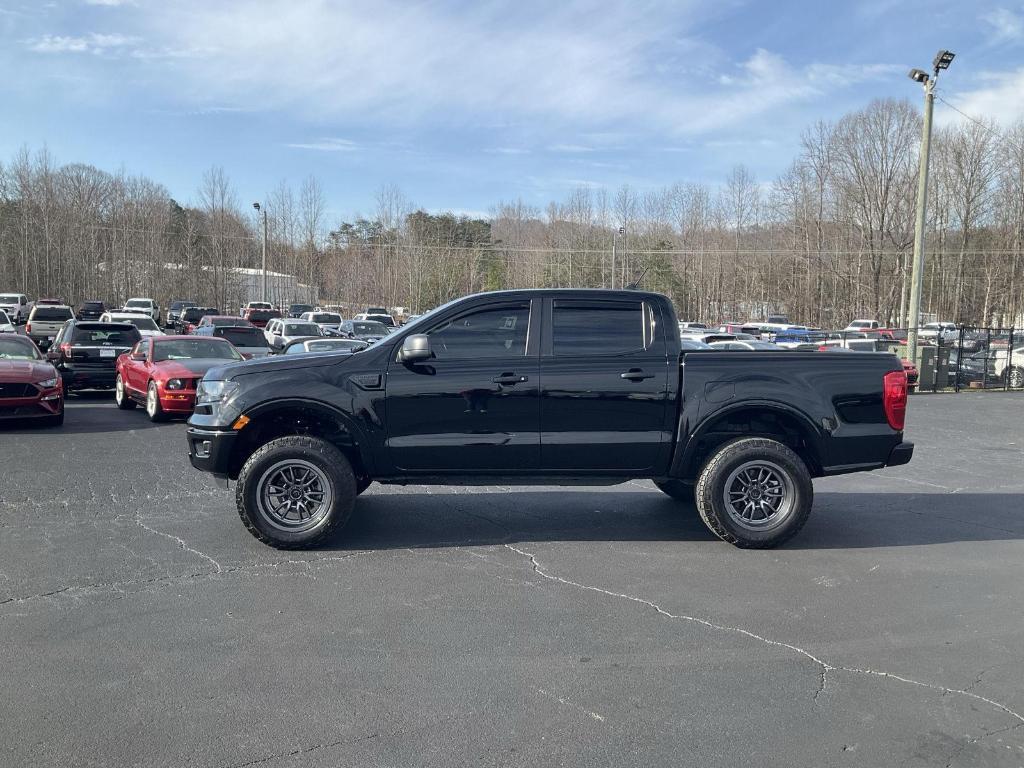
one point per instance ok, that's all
(118, 335)
(18, 348)
(242, 336)
(221, 322)
(142, 323)
(182, 304)
(144, 303)
(327, 318)
(369, 329)
(184, 349)
(51, 314)
(4, 320)
(301, 329)
(11, 298)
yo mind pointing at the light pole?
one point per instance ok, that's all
(942, 61)
(264, 212)
(615, 236)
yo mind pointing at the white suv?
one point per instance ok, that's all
(143, 305)
(16, 306)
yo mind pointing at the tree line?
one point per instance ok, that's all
(830, 239)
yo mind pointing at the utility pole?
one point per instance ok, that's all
(615, 237)
(263, 295)
(942, 61)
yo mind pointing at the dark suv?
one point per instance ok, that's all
(85, 352)
(90, 310)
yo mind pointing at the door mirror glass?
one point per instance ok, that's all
(415, 349)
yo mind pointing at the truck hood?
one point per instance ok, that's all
(276, 363)
(25, 371)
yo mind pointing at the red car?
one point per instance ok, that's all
(260, 317)
(912, 373)
(161, 372)
(30, 388)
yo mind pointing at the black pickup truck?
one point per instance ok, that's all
(552, 387)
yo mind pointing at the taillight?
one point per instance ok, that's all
(894, 398)
(65, 349)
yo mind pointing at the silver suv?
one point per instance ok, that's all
(45, 322)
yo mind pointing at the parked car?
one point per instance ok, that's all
(30, 387)
(260, 317)
(162, 373)
(686, 325)
(943, 333)
(410, 318)
(792, 338)
(174, 312)
(51, 302)
(297, 310)
(90, 309)
(146, 325)
(739, 345)
(248, 340)
(319, 344)
(483, 392)
(282, 330)
(363, 330)
(85, 352)
(45, 321)
(16, 306)
(376, 311)
(143, 305)
(863, 325)
(750, 330)
(329, 322)
(190, 317)
(707, 337)
(6, 326)
(222, 321)
(254, 305)
(691, 345)
(978, 367)
(383, 319)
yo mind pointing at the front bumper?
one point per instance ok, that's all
(209, 450)
(901, 454)
(177, 402)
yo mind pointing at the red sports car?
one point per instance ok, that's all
(161, 372)
(30, 388)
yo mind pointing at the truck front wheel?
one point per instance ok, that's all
(755, 493)
(295, 491)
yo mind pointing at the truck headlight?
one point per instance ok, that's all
(212, 392)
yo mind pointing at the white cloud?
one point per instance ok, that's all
(110, 3)
(92, 43)
(1006, 25)
(570, 148)
(507, 151)
(327, 145)
(998, 97)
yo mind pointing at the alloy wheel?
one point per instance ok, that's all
(759, 495)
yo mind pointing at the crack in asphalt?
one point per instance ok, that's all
(181, 543)
(822, 664)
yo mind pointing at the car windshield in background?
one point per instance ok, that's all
(139, 303)
(241, 336)
(18, 348)
(334, 345)
(301, 329)
(10, 297)
(120, 335)
(230, 322)
(52, 314)
(300, 308)
(260, 315)
(4, 319)
(326, 317)
(185, 349)
(143, 323)
(369, 329)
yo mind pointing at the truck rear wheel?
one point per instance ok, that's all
(755, 493)
(677, 489)
(295, 491)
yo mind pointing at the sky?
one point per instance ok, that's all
(465, 104)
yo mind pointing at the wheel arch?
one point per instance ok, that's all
(769, 419)
(301, 416)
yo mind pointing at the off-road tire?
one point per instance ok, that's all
(677, 489)
(322, 454)
(121, 396)
(710, 492)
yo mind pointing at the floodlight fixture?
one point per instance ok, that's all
(942, 60)
(918, 75)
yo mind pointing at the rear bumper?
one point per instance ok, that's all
(901, 454)
(85, 378)
(210, 450)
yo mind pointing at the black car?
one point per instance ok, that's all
(174, 312)
(549, 387)
(90, 310)
(310, 344)
(297, 310)
(190, 317)
(85, 352)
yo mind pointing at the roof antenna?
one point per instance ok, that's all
(636, 283)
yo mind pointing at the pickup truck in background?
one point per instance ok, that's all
(550, 387)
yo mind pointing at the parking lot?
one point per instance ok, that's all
(141, 625)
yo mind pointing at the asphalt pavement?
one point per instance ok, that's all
(140, 625)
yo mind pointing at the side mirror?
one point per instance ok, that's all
(415, 349)
(138, 357)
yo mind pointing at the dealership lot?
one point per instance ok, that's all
(141, 625)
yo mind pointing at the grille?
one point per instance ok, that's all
(18, 390)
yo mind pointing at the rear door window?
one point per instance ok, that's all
(581, 327)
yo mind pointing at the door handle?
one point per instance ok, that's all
(509, 378)
(636, 374)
